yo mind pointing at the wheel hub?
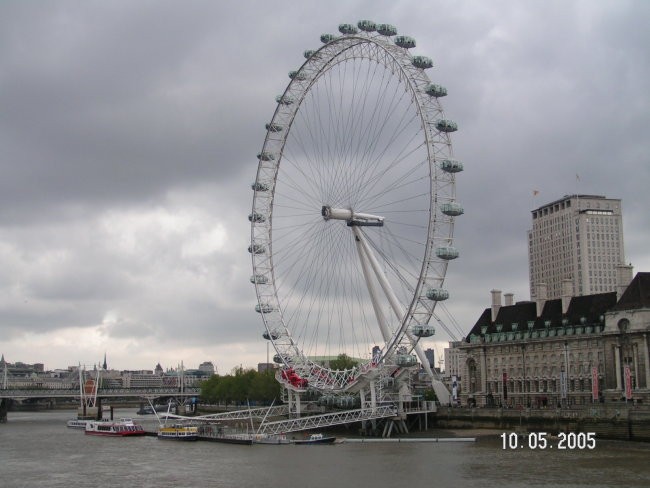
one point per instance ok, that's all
(351, 217)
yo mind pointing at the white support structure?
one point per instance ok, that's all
(255, 413)
(364, 259)
(326, 420)
(367, 257)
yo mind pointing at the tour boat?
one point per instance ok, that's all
(179, 432)
(119, 428)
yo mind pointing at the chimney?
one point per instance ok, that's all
(540, 298)
(623, 279)
(496, 303)
(509, 298)
(567, 293)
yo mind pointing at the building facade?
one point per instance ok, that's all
(563, 352)
(578, 238)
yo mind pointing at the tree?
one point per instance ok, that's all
(343, 361)
(240, 387)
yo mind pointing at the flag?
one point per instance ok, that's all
(627, 374)
(535, 193)
(577, 177)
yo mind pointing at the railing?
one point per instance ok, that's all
(255, 413)
(101, 393)
(326, 420)
(596, 411)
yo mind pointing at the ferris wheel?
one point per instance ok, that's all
(353, 211)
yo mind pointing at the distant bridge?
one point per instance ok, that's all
(101, 392)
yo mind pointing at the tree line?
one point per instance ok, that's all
(240, 387)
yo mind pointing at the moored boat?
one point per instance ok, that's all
(119, 428)
(219, 433)
(270, 439)
(179, 432)
(78, 423)
(316, 439)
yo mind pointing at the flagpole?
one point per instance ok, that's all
(532, 199)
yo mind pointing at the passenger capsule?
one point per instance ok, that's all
(259, 279)
(277, 359)
(437, 294)
(367, 25)
(347, 29)
(406, 360)
(297, 75)
(266, 156)
(347, 401)
(263, 308)
(271, 335)
(436, 91)
(423, 330)
(274, 127)
(421, 62)
(452, 209)
(256, 217)
(327, 400)
(259, 186)
(445, 125)
(284, 99)
(327, 38)
(448, 253)
(308, 53)
(451, 166)
(387, 29)
(256, 249)
(405, 42)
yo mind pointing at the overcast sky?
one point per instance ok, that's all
(128, 135)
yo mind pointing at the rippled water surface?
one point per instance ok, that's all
(37, 449)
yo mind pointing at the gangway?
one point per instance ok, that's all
(326, 420)
(246, 414)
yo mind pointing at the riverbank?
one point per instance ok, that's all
(607, 422)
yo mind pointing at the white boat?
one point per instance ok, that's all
(179, 432)
(78, 423)
(119, 428)
(316, 439)
(270, 439)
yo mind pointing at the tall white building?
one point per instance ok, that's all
(575, 247)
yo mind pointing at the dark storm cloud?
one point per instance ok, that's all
(115, 102)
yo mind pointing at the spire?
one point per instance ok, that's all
(104, 365)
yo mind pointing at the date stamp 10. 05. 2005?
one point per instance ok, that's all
(543, 440)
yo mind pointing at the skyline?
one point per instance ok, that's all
(130, 133)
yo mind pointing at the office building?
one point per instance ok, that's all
(575, 248)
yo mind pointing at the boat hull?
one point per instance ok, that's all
(178, 433)
(320, 440)
(271, 439)
(114, 429)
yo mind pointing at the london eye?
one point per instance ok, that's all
(353, 212)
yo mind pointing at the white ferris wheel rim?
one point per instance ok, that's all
(286, 323)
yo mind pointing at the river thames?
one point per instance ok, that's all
(37, 449)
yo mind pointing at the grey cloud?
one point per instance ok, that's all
(122, 108)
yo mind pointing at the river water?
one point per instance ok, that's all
(38, 450)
